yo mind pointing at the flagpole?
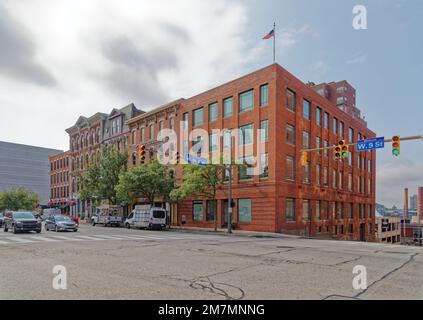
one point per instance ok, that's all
(274, 42)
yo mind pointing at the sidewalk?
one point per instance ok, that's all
(255, 234)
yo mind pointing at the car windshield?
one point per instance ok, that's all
(62, 218)
(159, 214)
(23, 215)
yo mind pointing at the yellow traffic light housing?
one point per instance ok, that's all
(396, 146)
(304, 159)
(341, 150)
(142, 154)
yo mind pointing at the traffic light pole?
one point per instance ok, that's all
(410, 138)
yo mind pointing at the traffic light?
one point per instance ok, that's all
(142, 154)
(341, 150)
(304, 159)
(396, 146)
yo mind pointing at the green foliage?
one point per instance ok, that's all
(99, 181)
(151, 181)
(200, 181)
(18, 199)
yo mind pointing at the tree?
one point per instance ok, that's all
(151, 181)
(200, 181)
(99, 181)
(18, 199)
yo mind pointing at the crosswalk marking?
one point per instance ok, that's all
(108, 237)
(44, 239)
(68, 238)
(20, 240)
(138, 237)
(90, 238)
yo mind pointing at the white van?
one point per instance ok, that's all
(147, 217)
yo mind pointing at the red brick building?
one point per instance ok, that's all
(59, 181)
(326, 198)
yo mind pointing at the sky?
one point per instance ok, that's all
(61, 59)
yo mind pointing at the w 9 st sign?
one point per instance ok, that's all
(370, 144)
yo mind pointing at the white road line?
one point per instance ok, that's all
(19, 240)
(44, 239)
(67, 238)
(89, 238)
(4, 242)
(108, 237)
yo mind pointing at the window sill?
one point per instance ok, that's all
(246, 110)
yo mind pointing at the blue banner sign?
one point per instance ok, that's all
(371, 144)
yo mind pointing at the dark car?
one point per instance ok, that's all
(1, 219)
(61, 223)
(21, 222)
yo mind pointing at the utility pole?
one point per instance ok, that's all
(230, 184)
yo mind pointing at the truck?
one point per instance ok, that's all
(147, 217)
(108, 215)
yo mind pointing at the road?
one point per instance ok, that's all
(113, 263)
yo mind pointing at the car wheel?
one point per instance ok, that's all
(76, 230)
(45, 227)
(38, 231)
(14, 229)
(128, 226)
(5, 228)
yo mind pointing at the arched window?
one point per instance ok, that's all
(152, 132)
(87, 141)
(92, 137)
(172, 123)
(98, 135)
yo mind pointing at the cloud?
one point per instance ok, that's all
(394, 176)
(289, 37)
(320, 68)
(18, 53)
(360, 58)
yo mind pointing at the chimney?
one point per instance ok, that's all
(406, 203)
(420, 204)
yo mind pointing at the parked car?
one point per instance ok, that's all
(1, 219)
(21, 222)
(61, 223)
(146, 216)
(49, 212)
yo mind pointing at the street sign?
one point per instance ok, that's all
(196, 160)
(371, 144)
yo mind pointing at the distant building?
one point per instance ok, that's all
(25, 166)
(413, 202)
(388, 229)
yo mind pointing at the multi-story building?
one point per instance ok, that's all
(388, 229)
(325, 198)
(86, 137)
(25, 166)
(59, 182)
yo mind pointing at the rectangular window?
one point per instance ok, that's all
(197, 211)
(319, 145)
(290, 168)
(264, 165)
(152, 132)
(351, 135)
(318, 173)
(318, 116)
(318, 210)
(340, 210)
(306, 173)
(211, 210)
(334, 179)
(228, 107)
(326, 176)
(326, 121)
(134, 135)
(306, 109)
(341, 179)
(335, 126)
(290, 210)
(350, 182)
(264, 95)
(306, 210)
(246, 101)
(290, 100)
(213, 142)
(198, 117)
(306, 140)
(290, 134)
(213, 112)
(325, 206)
(350, 159)
(244, 210)
(369, 165)
(341, 129)
(246, 172)
(246, 134)
(264, 133)
(350, 210)
(369, 186)
(326, 151)
(351, 228)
